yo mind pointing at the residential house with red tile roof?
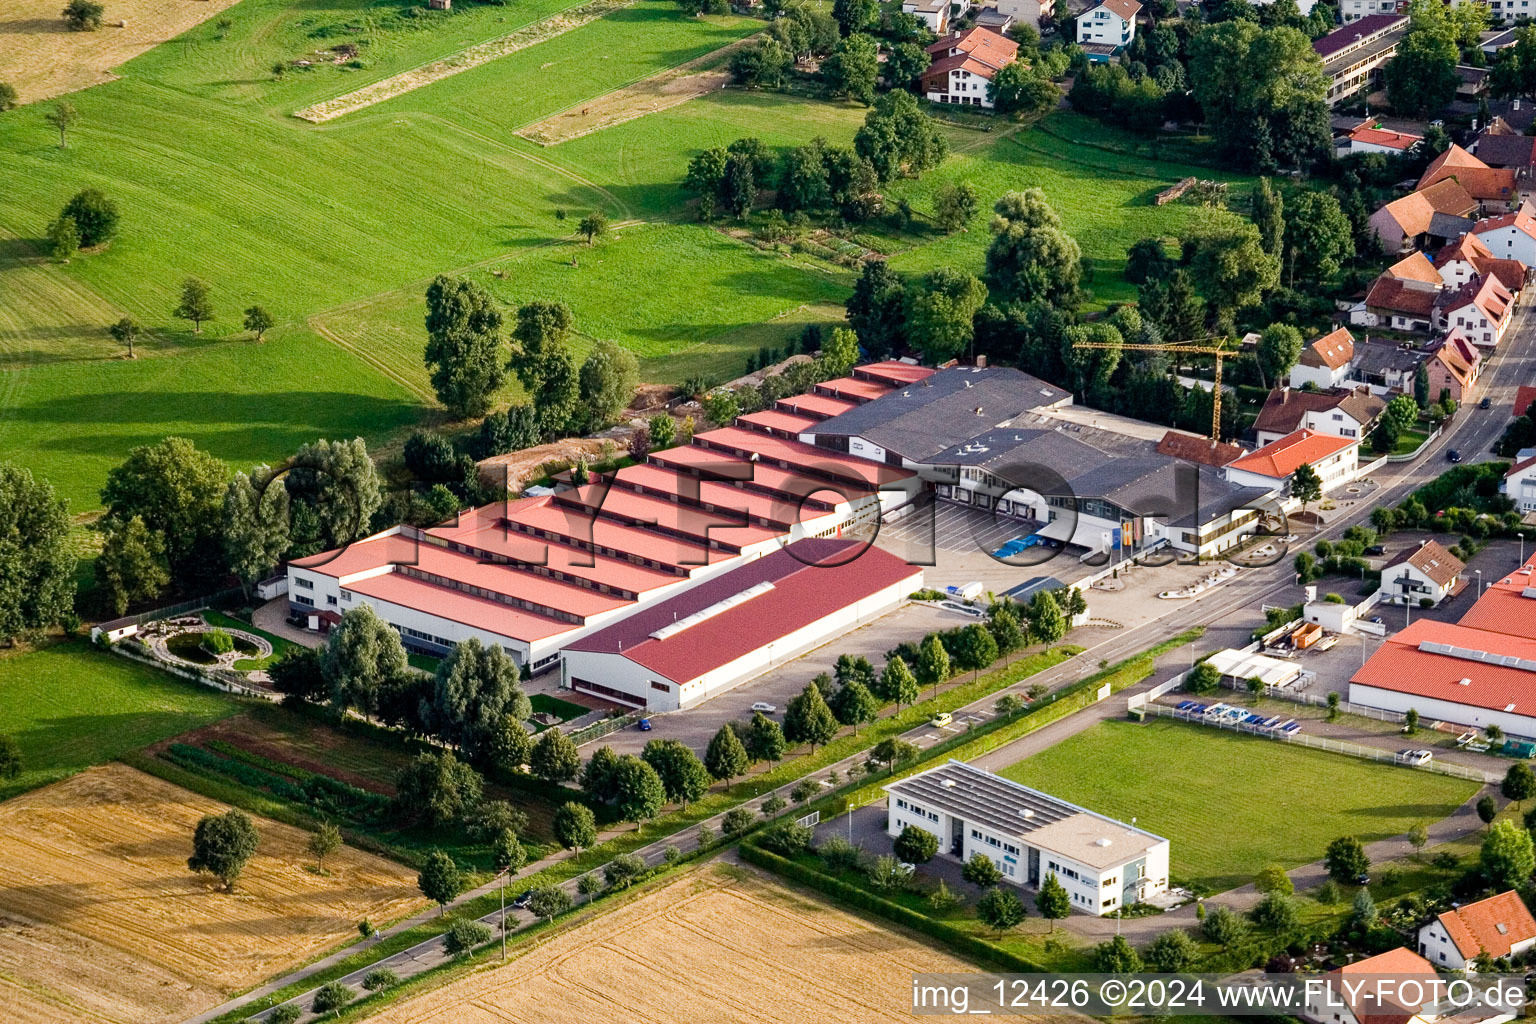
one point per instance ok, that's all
(686, 649)
(1347, 412)
(1343, 1003)
(1325, 362)
(1499, 926)
(1108, 23)
(964, 64)
(1511, 235)
(1410, 222)
(1427, 572)
(1334, 459)
(1468, 257)
(1482, 307)
(1403, 297)
(1494, 188)
(1370, 137)
(1453, 367)
(1525, 394)
(1503, 149)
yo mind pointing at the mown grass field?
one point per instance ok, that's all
(337, 229)
(1230, 804)
(70, 706)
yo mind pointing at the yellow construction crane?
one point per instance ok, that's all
(1182, 348)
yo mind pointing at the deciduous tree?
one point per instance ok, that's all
(62, 116)
(954, 204)
(807, 719)
(1346, 860)
(361, 652)
(764, 740)
(63, 239)
(683, 775)
(1507, 858)
(638, 791)
(222, 845)
(554, 757)
(36, 578)
(83, 15)
(575, 826)
(851, 69)
(440, 880)
(436, 789)
(463, 348)
(1052, 900)
(131, 566)
(178, 491)
(196, 303)
(258, 321)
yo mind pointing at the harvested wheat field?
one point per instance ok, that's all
(661, 91)
(721, 944)
(100, 919)
(43, 59)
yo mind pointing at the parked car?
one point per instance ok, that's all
(522, 898)
(941, 719)
(1415, 758)
(765, 707)
(644, 725)
(1452, 455)
(1376, 549)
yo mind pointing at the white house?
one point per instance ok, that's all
(1519, 484)
(1500, 926)
(1102, 863)
(1427, 572)
(936, 14)
(1468, 257)
(1347, 412)
(1333, 458)
(687, 649)
(1028, 12)
(1352, 997)
(1325, 362)
(964, 64)
(1483, 308)
(1368, 138)
(1511, 235)
(1354, 10)
(1110, 23)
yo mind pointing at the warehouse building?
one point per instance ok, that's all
(1103, 864)
(684, 650)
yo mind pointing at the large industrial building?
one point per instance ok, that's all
(683, 650)
(1104, 864)
(1477, 672)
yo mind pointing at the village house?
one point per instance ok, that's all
(1501, 146)
(1110, 23)
(1350, 997)
(964, 64)
(1334, 459)
(1494, 188)
(1498, 926)
(1519, 484)
(1353, 55)
(1431, 216)
(1347, 412)
(1370, 137)
(935, 13)
(1351, 11)
(1326, 361)
(1482, 306)
(1386, 367)
(1402, 298)
(1469, 257)
(1027, 12)
(1510, 236)
(1453, 366)
(1425, 573)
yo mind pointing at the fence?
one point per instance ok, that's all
(1323, 743)
(166, 612)
(1137, 700)
(597, 730)
(1410, 456)
(1362, 710)
(219, 679)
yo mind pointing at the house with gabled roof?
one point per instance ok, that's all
(1409, 222)
(1370, 137)
(936, 14)
(1403, 297)
(1326, 361)
(1427, 572)
(1504, 148)
(1499, 926)
(1482, 307)
(1510, 235)
(1109, 23)
(1495, 188)
(1347, 412)
(964, 64)
(1469, 256)
(1453, 367)
(1199, 449)
(1350, 996)
(1519, 484)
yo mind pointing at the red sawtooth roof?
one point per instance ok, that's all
(824, 406)
(1400, 666)
(797, 454)
(673, 517)
(447, 603)
(803, 592)
(579, 526)
(777, 419)
(1504, 609)
(1281, 458)
(893, 371)
(716, 494)
(854, 388)
(730, 467)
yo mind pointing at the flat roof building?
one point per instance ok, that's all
(1103, 863)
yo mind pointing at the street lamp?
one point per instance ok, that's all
(1479, 574)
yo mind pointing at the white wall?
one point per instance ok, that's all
(1102, 25)
(621, 673)
(1431, 709)
(1511, 243)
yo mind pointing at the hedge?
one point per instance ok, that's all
(956, 939)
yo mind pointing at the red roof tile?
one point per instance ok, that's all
(1525, 394)
(1279, 459)
(1333, 350)
(852, 387)
(1203, 450)
(1401, 666)
(813, 404)
(1480, 180)
(894, 372)
(1492, 925)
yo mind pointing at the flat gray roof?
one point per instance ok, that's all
(1011, 808)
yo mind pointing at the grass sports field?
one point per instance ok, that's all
(337, 228)
(70, 706)
(1230, 804)
(718, 944)
(104, 922)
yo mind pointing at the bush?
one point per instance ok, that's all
(737, 821)
(287, 1013)
(839, 854)
(787, 839)
(380, 977)
(464, 935)
(331, 996)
